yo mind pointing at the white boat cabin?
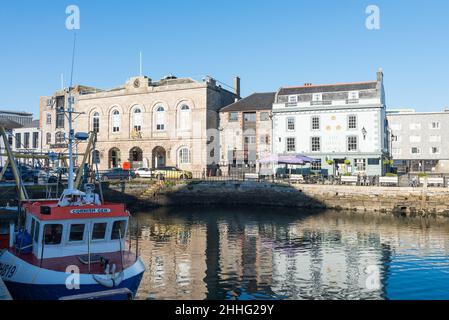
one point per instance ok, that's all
(62, 238)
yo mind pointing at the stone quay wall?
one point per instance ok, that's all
(394, 200)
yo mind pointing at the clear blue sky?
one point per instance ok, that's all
(268, 43)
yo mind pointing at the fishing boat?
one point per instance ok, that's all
(73, 246)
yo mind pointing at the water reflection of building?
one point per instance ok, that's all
(239, 255)
(175, 258)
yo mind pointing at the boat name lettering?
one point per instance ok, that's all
(95, 210)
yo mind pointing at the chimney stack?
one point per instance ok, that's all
(380, 75)
(237, 87)
(307, 84)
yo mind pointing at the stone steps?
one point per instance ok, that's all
(151, 192)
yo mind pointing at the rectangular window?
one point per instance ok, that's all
(373, 161)
(18, 140)
(315, 123)
(316, 144)
(53, 234)
(60, 115)
(290, 124)
(233, 116)
(76, 232)
(48, 138)
(264, 116)
(291, 144)
(250, 140)
(352, 143)
(396, 127)
(316, 166)
(396, 151)
(360, 164)
(249, 117)
(416, 150)
(352, 122)
(415, 126)
(415, 138)
(265, 139)
(26, 140)
(48, 116)
(99, 231)
(35, 140)
(435, 150)
(118, 230)
(435, 125)
(435, 139)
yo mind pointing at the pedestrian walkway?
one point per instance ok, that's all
(4, 293)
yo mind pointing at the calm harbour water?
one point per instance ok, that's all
(220, 253)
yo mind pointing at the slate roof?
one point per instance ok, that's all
(254, 102)
(328, 88)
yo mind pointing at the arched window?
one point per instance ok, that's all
(96, 122)
(59, 137)
(114, 158)
(184, 117)
(115, 121)
(184, 156)
(137, 119)
(160, 118)
(48, 138)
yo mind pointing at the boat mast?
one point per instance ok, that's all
(70, 118)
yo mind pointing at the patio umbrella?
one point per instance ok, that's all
(306, 159)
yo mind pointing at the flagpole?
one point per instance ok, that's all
(140, 63)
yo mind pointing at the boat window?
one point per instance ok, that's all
(53, 234)
(36, 231)
(99, 231)
(118, 229)
(76, 232)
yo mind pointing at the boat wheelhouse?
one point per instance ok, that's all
(71, 246)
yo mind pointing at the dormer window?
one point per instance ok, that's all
(353, 95)
(293, 99)
(317, 97)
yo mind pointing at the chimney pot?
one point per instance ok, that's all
(237, 86)
(380, 75)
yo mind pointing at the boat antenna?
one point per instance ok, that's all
(70, 111)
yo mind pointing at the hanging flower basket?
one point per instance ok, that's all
(347, 161)
(330, 162)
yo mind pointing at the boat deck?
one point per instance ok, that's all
(4, 293)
